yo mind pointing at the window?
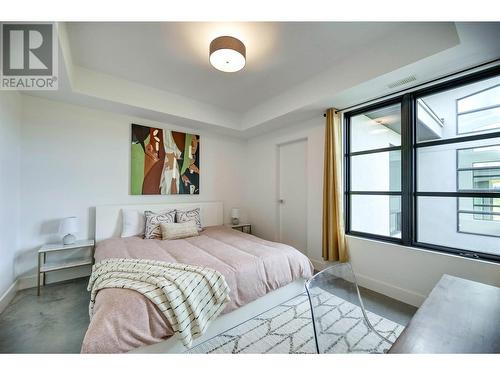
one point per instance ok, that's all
(375, 179)
(424, 169)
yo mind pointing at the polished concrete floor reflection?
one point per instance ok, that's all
(56, 321)
(377, 303)
(387, 307)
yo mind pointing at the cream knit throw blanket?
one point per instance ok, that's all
(190, 297)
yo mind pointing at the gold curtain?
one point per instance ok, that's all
(334, 247)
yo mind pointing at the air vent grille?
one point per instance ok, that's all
(402, 82)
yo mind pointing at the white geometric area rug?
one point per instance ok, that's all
(287, 329)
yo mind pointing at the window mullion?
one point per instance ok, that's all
(407, 126)
(347, 173)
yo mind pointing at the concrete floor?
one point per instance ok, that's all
(56, 321)
(387, 307)
(377, 303)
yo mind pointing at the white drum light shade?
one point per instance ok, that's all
(227, 54)
(235, 213)
(68, 227)
(235, 216)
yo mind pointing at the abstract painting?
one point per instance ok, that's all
(164, 161)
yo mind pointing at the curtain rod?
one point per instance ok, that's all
(414, 87)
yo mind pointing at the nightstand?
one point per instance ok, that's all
(245, 228)
(44, 266)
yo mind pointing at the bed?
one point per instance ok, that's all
(260, 274)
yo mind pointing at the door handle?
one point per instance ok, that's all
(281, 201)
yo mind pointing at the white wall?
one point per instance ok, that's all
(10, 140)
(262, 182)
(409, 274)
(74, 158)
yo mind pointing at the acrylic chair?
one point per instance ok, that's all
(340, 321)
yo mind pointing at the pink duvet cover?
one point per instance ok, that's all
(124, 319)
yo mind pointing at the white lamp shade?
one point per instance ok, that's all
(235, 213)
(227, 60)
(69, 225)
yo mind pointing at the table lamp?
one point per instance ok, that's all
(68, 227)
(235, 216)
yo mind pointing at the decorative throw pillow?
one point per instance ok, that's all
(152, 229)
(182, 216)
(174, 231)
(132, 223)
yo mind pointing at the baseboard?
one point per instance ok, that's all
(8, 295)
(26, 282)
(401, 294)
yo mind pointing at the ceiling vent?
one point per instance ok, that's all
(401, 82)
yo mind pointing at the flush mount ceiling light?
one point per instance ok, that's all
(227, 54)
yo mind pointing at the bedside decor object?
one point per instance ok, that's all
(227, 54)
(164, 162)
(235, 216)
(45, 266)
(68, 227)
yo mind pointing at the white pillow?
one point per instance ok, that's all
(174, 231)
(133, 223)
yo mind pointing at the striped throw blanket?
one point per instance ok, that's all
(190, 297)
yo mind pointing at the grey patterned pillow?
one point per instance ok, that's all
(181, 216)
(153, 220)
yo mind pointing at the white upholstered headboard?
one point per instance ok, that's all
(108, 219)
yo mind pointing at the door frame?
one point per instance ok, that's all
(277, 236)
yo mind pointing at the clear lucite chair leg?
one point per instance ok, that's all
(309, 296)
(338, 280)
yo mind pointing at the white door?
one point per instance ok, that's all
(292, 198)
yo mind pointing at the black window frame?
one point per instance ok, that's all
(347, 176)
(409, 146)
